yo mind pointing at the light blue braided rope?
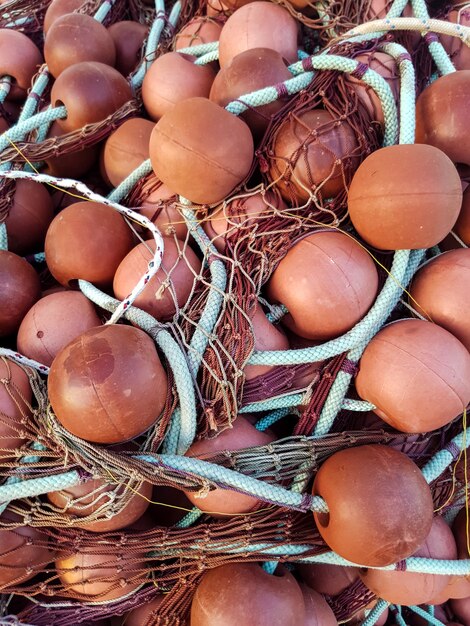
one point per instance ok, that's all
(5, 86)
(207, 58)
(189, 519)
(302, 79)
(37, 486)
(20, 130)
(130, 182)
(407, 91)
(427, 616)
(375, 613)
(357, 405)
(205, 327)
(172, 352)
(103, 10)
(151, 46)
(12, 480)
(201, 49)
(3, 237)
(272, 404)
(445, 457)
(436, 49)
(268, 420)
(398, 617)
(398, 279)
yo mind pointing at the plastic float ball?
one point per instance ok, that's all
(174, 279)
(144, 613)
(113, 374)
(20, 59)
(99, 576)
(15, 396)
(327, 281)
(454, 46)
(23, 551)
(225, 597)
(220, 502)
(440, 292)
(247, 72)
(172, 78)
(386, 66)
(58, 8)
(91, 92)
(73, 164)
(29, 216)
(360, 616)
(392, 210)
(328, 579)
(53, 322)
(86, 498)
(259, 25)
(75, 38)
(416, 374)
(459, 528)
(409, 588)
(313, 153)
(266, 337)
(359, 485)
(201, 151)
(87, 240)
(317, 609)
(461, 609)
(19, 290)
(442, 116)
(160, 208)
(128, 37)
(462, 226)
(198, 31)
(239, 215)
(125, 149)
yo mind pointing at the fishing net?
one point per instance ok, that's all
(230, 251)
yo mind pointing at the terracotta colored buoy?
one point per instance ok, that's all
(73, 164)
(99, 576)
(87, 240)
(90, 91)
(20, 58)
(317, 609)
(440, 292)
(23, 552)
(171, 285)
(266, 337)
(160, 207)
(313, 153)
(141, 615)
(258, 25)
(29, 217)
(198, 31)
(226, 597)
(128, 37)
(409, 588)
(327, 281)
(74, 38)
(57, 8)
(19, 290)
(125, 149)
(359, 485)
(172, 78)
(416, 374)
(114, 374)
(86, 498)
(249, 71)
(442, 116)
(328, 579)
(220, 502)
(201, 151)
(462, 226)
(241, 214)
(15, 396)
(392, 210)
(53, 322)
